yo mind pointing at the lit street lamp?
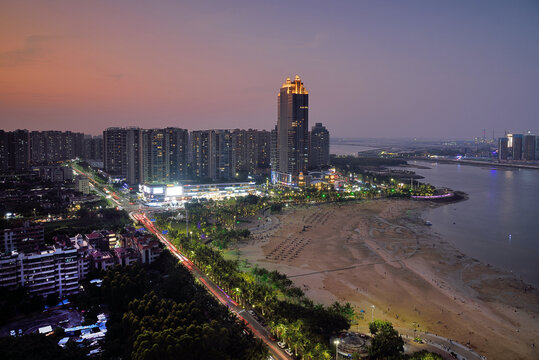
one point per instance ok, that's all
(372, 313)
(337, 349)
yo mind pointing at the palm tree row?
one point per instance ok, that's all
(308, 326)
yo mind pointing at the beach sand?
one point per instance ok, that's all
(381, 253)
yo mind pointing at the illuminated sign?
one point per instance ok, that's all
(158, 190)
(174, 191)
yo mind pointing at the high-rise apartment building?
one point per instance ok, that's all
(93, 148)
(27, 238)
(177, 149)
(53, 270)
(201, 153)
(319, 146)
(123, 155)
(244, 154)
(250, 151)
(165, 155)
(222, 148)
(18, 150)
(38, 148)
(4, 151)
(292, 128)
(155, 155)
(529, 147)
(503, 152)
(212, 154)
(263, 151)
(48, 147)
(517, 146)
(273, 149)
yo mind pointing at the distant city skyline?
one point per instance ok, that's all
(444, 70)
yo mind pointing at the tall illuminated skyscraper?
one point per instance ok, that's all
(292, 128)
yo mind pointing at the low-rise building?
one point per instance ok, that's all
(82, 184)
(148, 248)
(102, 260)
(46, 272)
(126, 256)
(111, 237)
(97, 240)
(54, 173)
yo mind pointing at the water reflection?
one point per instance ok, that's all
(502, 202)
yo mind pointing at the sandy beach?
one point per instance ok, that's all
(381, 253)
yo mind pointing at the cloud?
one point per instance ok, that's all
(33, 49)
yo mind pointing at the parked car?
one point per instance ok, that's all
(281, 344)
(289, 352)
(253, 314)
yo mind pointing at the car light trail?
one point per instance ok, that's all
(220, 294)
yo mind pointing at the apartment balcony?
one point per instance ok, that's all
(9, 277)
(8, 283)
(38, 269)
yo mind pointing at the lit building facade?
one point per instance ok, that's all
(212, 154)
(123, 155)
(201, 153)
(43, 273)
(47, 147)
(292, 128)
(177, 149)
(250, 151)
(165, 154)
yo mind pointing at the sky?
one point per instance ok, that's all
(384, 69)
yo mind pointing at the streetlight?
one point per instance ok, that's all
(186, 223)
(372, 313)
(337, 349)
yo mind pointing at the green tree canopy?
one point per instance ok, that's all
(386, 342)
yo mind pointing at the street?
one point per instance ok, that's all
(258, 330)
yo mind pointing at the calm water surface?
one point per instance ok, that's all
(499, 224)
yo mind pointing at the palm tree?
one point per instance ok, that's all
(281, 330)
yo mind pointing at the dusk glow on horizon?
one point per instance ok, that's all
(373, 69)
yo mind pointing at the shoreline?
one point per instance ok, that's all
(477, 163)
(381, 253)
